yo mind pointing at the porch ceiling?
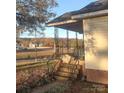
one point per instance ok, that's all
(75, 26)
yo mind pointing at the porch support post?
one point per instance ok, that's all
(35, 47)
(56, 42)
(67, 41)
(77, 45)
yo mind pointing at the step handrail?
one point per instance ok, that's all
(75, 65)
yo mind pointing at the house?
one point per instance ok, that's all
(32, 45)
(19, 46)
(92, 22)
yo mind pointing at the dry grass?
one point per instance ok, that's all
(40, 53)
(30, 65)
(24, 63)
(29, 55)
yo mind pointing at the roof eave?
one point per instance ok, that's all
(61, 23)
(90, 14)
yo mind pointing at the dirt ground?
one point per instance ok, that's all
(72, 87)
(86, 87)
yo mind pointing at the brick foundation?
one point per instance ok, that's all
(97, 76)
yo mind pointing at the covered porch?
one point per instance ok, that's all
(91, 22)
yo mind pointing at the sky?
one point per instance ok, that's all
(63, 6)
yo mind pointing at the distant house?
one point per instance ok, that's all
(32, 45)
(92, 22)
(19, 46)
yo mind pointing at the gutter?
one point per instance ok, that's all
(91, 14)
(76, 18)
(61, 23)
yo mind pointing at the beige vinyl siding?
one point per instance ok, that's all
(96, 43)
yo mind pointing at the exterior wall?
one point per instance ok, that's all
(96, 48)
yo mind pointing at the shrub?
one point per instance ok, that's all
(28, 79)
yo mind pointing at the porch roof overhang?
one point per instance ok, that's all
(73, 20)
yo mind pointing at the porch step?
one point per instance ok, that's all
(65, 74)
(61, 78)
(67, 71)
(71, 66)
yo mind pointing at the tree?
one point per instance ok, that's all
(33, 14)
